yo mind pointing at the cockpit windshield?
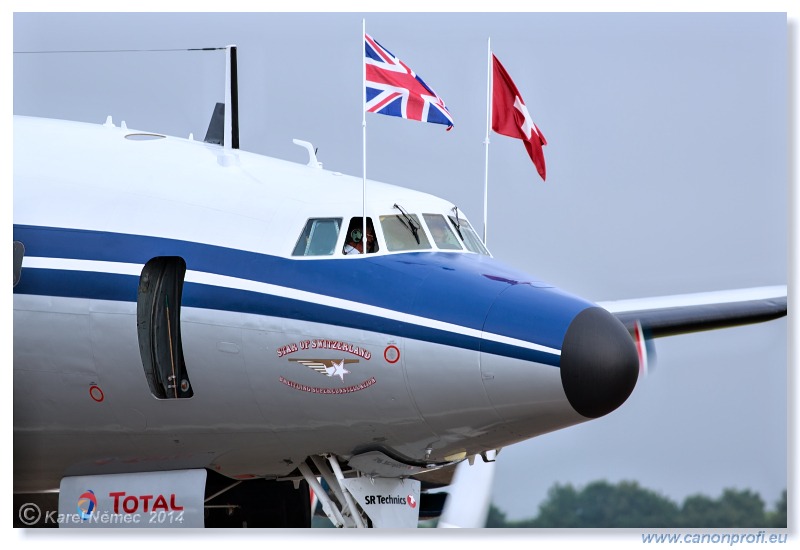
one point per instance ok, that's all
(400, 232)
(355, 239)
(471, 240)
(443, 235)
(318, 237)
(403, 232)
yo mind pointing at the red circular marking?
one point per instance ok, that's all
(391, 354)
(96, 393)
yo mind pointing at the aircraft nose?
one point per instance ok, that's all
(599, 363)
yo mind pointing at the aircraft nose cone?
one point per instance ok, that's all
(599, 363)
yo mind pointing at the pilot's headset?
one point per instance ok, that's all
(356, 235)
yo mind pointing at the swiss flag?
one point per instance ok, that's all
(510, 117)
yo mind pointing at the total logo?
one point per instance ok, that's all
(143, 503)
(409, 500)
(130, 504)
(87, 502)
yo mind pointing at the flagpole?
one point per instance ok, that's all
(486, 141)
(363, 139)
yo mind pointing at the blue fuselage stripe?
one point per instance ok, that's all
(460, 289)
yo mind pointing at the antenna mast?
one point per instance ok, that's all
(231, 139)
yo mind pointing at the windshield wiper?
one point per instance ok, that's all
(456, 222)
(409, 223)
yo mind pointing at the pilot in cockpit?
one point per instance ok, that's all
(354, 242)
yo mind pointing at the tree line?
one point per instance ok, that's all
(625, 504)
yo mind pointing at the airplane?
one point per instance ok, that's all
(193, 347)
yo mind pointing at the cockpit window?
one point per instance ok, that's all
(471, 240)
(355, 238)
(318, 237)
(402, 232)
(442, 234)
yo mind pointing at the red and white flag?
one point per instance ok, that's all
(510, 116)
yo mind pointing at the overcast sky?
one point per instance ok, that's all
(667, 173)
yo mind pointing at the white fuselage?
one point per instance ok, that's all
(426, 355)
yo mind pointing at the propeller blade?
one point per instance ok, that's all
(645, 349)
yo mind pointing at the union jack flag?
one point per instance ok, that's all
(394, 89)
